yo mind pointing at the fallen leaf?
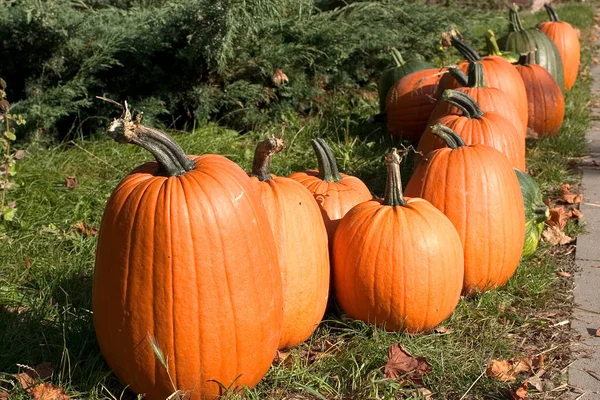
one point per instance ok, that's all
(71, 182)
(521, 392)
(442, 330)
(402, 364)
(597, 332)
(564, 274)
(555, 236)
(537, 383)
(569, 197)
(426, 393)
(558, 217)
(280, 357)
(85, 229)
(501, 370)
(44, 370)
(47, 391)
(576, 213)
(25, 380)
(19, 154)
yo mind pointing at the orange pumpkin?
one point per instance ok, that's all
(302, 247)
(476, 127)
(477, 189)
(409, 103)
(566, 39)
(186, 263)
(398, 262)
(499, 74)
(546, 103)
(487, 98)
(335, 193)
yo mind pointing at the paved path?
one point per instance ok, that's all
(584, 373)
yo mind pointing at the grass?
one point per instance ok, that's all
(47, 265)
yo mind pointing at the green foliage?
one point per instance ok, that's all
(192, 61)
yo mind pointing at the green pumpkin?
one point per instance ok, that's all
(536, 212)
(520, 40)
(393, 75)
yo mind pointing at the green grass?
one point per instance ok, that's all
(46, 267)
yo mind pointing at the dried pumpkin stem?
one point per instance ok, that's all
(463, 48)
(452, 139)
(492, 45)
(551, 13)
(514, 20)
(459, 75)
(261, 165)
(397, 56)
(527, 58)
(334, 173)
(393, 189)
(464, 102)
(168, 154)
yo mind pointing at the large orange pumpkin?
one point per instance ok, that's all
(335, 193)
(409, 103)
(566, 39)
(478, 190)
(487, 98)
(302, 247)
(398, 262)
(499, 74)
(477, 127)
(186, 274)
(545, 100)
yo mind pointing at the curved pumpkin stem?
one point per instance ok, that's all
(542, 213)
(463, 48)
(168, 154)
(335, 173)
(397, 56)
(464, 102)
(326, 172)
(492, 45)
(527, 58)
(551, 13)
(452, 139)
(393, 188)
(261, 165)
(476, 75)
(514, 20)
(459, 75)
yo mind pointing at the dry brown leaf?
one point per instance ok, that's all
(279, 77)
(501, 370)
(576, 213)
(597, 332)
(569, 197)
(426, 393)
(71, 182)
(564, 274)
(558, 217)
(594, 60)
(4, 394)
(402, 364)
(44, 370)
(19, 154)
(442, 330)
(25, 379)
(85, 229)
(282, 357)
(555, 236)
(521, 392)
(47, 391)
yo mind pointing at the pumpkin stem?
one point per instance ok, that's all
(168, 154)
(476, 75)
(527, 58)
(261, 165)
(397, 56)
(459, 75)
(328, 172)
(463, 48)
(393, 188)
(514, 20)
(542, 213)
(492, 44)
(452, 139)
(464, 102)
(551, 13)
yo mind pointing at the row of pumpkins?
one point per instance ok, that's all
(218, 270)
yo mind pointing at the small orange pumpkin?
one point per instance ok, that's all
(186, 263)
(477, 189)
(545, 100)
(335, 193)
(302, 247)
(476, 127)
(398, 262)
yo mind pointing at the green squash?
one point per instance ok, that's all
(393, 75)
(520, 40)
(536, 212)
